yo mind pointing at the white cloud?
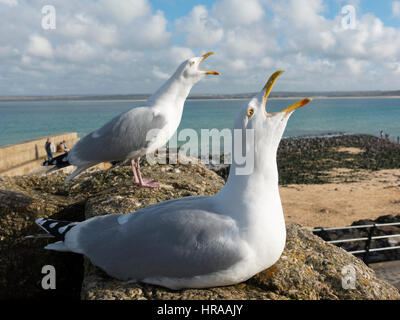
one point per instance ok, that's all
(47, 65)
(108, 34)
(160, 74)
(40, 47)
(138, 48)
(201, 29)
(238, 64)
(7, 51)
(73, 29)
(176, 54)
(355, 66)
(153, 33)
(76, 52)
(74, 26)
(396, 9)
(120, 55)
(241, 43)
(267, 62)
(238, 12)
(393, 67)
(84, 26)
(11, 3)
(26, 60)
(101, 69)
(125, 11)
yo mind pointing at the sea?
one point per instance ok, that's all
(25, 120)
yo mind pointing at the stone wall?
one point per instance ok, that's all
(21, 158)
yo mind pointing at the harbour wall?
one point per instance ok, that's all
(24, 157)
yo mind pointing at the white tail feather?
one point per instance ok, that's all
(75, 173)
(57, 246)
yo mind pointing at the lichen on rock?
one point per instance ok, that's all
(309, 268)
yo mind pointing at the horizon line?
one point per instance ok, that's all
(140, 96)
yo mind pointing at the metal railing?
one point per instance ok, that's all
(367, 249)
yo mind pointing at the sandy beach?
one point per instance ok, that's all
(340, 203)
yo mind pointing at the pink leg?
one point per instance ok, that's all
(134, 170)
(144, 182)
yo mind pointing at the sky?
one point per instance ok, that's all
(133, 46)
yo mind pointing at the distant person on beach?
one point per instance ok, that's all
(381, 134)
(398, 139)
(50, 149)
(387, 136)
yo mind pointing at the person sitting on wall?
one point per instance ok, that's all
(60, 147)
(64, 146)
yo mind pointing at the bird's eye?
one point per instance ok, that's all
(191, 63)
(250, 112)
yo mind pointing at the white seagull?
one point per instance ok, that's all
(139, 131)
(202, 241)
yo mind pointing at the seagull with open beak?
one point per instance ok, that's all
(141, 130)
(196, 242)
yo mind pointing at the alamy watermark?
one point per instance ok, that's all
(348, 277)
(49, 280)
(349, 18)
(49, 17)
(208, 145)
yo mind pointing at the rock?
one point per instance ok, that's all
(24, 199)
(309, 268)
(21, 260)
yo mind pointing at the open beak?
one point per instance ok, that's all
(204, 57)
(268, 87)
(295, 105)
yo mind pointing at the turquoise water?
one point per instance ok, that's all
(20, 121)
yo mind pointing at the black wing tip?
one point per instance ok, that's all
(56, 228)
(59, 162)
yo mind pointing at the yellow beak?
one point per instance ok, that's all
(296, 105)
(270, 83)
(268, 87)
(204, 57)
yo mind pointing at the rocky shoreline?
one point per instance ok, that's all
(307, 160)
(309, 268)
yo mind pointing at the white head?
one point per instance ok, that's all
(189, 71)
(176, 89)
(267, 127)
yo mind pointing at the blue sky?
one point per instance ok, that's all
(174, 9)
(133, 46)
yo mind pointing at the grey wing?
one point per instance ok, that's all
(117, 139)
(170, 239)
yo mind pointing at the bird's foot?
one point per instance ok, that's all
(152, 185)
(147, 183)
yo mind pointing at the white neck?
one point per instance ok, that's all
(172, 93)
(257, 192)
(253, 201)
(264, 175)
